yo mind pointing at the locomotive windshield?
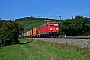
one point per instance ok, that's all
(53, 24)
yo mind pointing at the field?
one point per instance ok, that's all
(28, 24)
(39, 50)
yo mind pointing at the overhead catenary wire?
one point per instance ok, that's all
(86, 6)
(74, 4)
(68, 7)
(53, 7)
(56, 8)
(68, 13)
(65, 6)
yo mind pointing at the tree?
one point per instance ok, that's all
(10, 32)
(77, 26)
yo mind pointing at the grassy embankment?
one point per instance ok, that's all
(38, 50)
(28, 24)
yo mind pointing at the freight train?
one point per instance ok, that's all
(49, 29)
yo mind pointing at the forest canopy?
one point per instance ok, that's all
(78, 26)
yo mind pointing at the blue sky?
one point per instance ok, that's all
(13, 9)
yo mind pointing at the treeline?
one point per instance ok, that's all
(32, 18)
(78, 26)
(9, 32)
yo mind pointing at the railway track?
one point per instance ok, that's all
(80, 42)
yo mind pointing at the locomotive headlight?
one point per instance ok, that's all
(57, 28)
(50, 28)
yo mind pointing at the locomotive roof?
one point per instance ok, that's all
(52, 22)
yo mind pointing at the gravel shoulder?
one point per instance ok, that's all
(83, 43)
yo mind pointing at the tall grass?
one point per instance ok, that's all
(39, 50)
(62, 51)
(13, 52)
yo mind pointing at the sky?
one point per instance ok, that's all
(14, 9)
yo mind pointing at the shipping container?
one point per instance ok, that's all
(28, 33)
(31, 32)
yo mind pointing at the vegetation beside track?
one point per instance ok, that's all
(39, 50)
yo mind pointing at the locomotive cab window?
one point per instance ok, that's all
(53, 24)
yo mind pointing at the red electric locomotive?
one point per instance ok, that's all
(49, 29)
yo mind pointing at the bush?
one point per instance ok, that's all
(10, 31)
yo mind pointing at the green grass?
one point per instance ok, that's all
(28, 24)
(61, 53)
(39, 50)
(13, 52)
